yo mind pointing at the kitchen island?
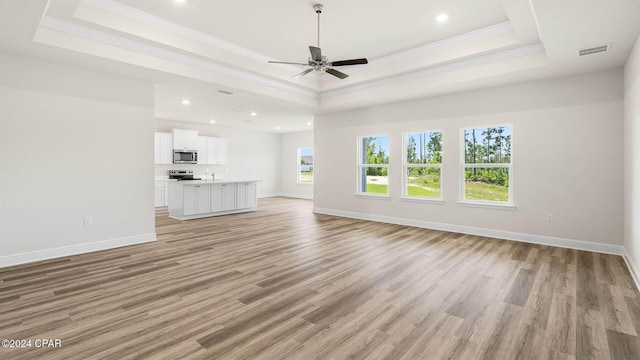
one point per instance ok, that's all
(193, 199)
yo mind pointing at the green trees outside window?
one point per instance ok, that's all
(423, 165)
(487, 164)
(373, 166)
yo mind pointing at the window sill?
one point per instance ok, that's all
(422, 200)
(304, 183)
(378, 196)
(488, 205)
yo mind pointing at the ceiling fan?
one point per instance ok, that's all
(319, 62)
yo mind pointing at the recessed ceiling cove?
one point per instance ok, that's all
(409, 52)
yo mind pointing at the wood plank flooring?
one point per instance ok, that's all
(284, 283)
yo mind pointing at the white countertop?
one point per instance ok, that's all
(203, 182)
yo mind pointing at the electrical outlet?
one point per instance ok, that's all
(550, 217)
(88, 222)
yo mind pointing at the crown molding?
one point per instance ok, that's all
(102, 37)
(147, 18)
(459, 65)
(448, 42)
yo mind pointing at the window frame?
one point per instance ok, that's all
(406, 166)
(298, 166)
(361, 166)
(510, 203)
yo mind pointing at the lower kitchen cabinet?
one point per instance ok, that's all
(246, 195)
(196, 199)
(161, 194)
(223, 197)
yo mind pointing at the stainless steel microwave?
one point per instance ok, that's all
(185, 156)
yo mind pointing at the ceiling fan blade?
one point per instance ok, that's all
(350, 62)
(316, 53)
(285, 62)
(337, 73)
(303, 73)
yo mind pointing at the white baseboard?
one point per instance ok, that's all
(498, 234)
(268, 195)
(290, 195)
(632, 268)
(47, 254)
(297, 196)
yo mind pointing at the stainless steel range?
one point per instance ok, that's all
(182, 175)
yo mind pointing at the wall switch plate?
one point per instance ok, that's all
(88, 222)
(550, 217)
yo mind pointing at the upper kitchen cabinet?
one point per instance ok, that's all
(185, 139)
(220, 156)
(163, 153)
(212, 150)
(203, 152)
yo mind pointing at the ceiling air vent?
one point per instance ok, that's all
(593, 50)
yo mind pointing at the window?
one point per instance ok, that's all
(373, 165)
(487, 165)
(423, 165)
(305, 165)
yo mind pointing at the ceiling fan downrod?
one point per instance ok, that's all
(318, 8)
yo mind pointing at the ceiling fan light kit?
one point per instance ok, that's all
(320, 63)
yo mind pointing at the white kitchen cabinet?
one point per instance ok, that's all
(185, 139)
(212, 150)
(163, 153)
(159, 197)
(223, 197)
(220, 152)
(203, 150)
(161, 194)
(196, 199)
(246, 195)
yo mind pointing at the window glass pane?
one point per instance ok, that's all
(375, 150)
(305, 166)
(374, 180)
(486, 184)
(487, 145)
(423, 181)
(424, 148)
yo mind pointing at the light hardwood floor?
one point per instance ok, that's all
(282, 282)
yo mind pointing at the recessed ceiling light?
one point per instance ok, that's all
(277, 127)
(253, 113)
(179, 1)
(309, 123)
(442, 18)
(212, 121)
(186, 102)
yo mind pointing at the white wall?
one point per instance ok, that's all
(567, 160)
(252, 155)
(632, 158)
(74, 143)
(289, 185)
